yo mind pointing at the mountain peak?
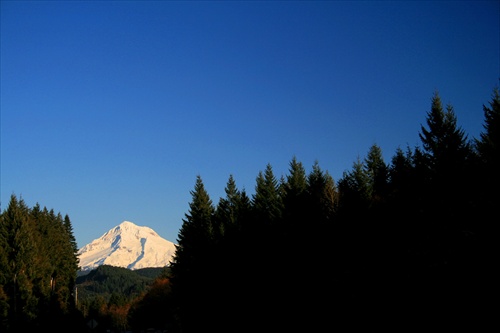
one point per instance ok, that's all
(126, 224)
(131, 227)
(127, 245)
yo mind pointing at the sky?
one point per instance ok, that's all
(111, 109)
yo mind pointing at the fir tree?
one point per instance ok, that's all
(197, 228)
(227, 209)
(191, 270)
(20, 251)
(355, 191)
(267, 201)
(488, 149)
(294, 197)
(400, 173)
(322, 195)
(447, 154)
(377, 171)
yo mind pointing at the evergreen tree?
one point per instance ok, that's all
(5, 276)
(20, 251)
(65, 263)
(227, 209)
(244, 210)
(154, 309)
(488, 149)
(404, 207)
(321, 258)
(447, 156)
(481, 273)
(442, 247)
(400, 175)
(267, 201)
(377, 171)
(45, 240)
(355, 192)
(294, 197)
(197, 228)
(36, 285)
(68, 226)
(232, 260)
(322, 196)
(268, 231)
(190, 268)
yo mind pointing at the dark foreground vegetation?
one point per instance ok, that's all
(408, 245)
(107, 282)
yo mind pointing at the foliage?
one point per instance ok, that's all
(154, 308)
(379, 230)
(411, 239)
(107, 281)
(38, 265)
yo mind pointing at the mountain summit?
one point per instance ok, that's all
(127, 245)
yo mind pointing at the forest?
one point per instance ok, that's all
(403, 245)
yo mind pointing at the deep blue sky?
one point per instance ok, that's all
(110, 109)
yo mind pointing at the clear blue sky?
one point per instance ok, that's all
(110, 109)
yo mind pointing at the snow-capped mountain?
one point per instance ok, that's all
(127, 245)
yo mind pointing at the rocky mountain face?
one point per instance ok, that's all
(127, 245)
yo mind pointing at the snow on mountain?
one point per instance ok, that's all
(127, 245)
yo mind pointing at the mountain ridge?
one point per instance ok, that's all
(127, 245)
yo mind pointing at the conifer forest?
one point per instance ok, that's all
(402, 245)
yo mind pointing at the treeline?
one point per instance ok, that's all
(38, 265)
(106, 280)
(106, 294)
(406, 243)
